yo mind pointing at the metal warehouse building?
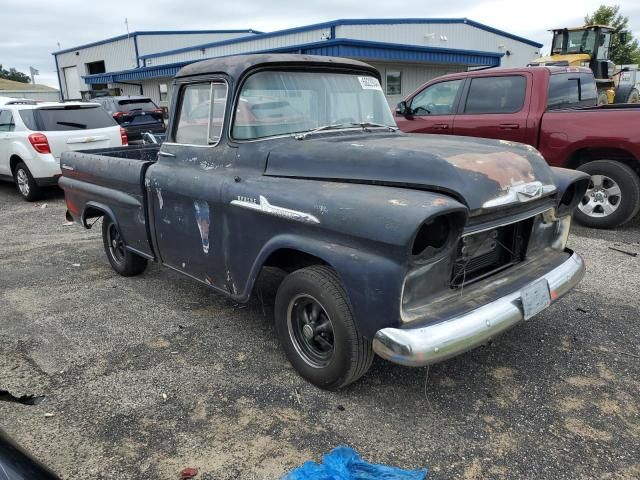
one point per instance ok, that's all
(407, 52)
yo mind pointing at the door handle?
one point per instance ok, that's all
(509, 126)
(440, 126)
(166, 154)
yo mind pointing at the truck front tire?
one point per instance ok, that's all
(613, 196)
(122, 260)
(25, 183)
(317, 330)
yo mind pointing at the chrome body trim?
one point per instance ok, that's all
(421, 346)
(264, 206)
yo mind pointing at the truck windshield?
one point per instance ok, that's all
(279, 103)
(572, 90)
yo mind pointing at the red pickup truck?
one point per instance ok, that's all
(552, 109)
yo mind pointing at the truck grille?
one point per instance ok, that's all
(484, 253)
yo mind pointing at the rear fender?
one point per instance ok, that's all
(106, 211)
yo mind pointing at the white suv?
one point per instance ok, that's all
(32, 138)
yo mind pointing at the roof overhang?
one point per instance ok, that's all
(340, 47)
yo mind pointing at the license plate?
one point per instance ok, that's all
(535, 298)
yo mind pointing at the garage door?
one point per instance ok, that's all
(72, 82)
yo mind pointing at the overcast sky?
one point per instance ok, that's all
(31, 30)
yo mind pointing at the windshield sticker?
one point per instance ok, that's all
(369, 83)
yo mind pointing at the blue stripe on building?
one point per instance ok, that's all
(340, 47)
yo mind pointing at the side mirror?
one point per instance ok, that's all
(622, 37)
(403, 108)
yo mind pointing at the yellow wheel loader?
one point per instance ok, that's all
(588, 46)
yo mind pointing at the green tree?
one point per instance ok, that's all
(13, 74)
(620, 53)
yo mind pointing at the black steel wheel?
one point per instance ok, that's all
(122, 260)
(310, 330)
(317, 329)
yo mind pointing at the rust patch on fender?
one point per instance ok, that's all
(505, 168)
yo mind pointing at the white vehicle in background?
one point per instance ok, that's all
(15, 101)
(33, 136)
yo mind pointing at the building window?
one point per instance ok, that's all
(163, 92)
(394, 83)
(94, 68)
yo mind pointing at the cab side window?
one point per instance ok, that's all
(6, 121)
(438, 99)
(496, 94)
(201, 114)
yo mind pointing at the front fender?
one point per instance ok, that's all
(365, 232)
(372, 282)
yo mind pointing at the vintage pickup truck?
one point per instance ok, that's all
(416, 248)
(552, 109)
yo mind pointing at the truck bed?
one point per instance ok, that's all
(111, 181)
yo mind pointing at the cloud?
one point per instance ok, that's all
(31, 30)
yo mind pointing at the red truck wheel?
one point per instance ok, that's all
(613, 196)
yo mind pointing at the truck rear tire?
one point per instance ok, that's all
(25, 183)
(122, 260)
(613, 196)
(317, 330)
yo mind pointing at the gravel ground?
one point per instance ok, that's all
(146, 376)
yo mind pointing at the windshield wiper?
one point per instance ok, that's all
(366, 125)
(331, 126)
(71, 124)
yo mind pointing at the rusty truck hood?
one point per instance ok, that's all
(474, 171)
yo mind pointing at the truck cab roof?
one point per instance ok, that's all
(235, 66)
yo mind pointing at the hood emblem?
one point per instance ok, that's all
(528, 191)
(520, 193)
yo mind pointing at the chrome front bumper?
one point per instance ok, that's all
(416, 347)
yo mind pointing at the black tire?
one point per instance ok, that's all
(25, 183)
(626, 205)
(626, 94)
(351, 354)
(122, 260)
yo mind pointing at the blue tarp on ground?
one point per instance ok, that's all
(343, 463)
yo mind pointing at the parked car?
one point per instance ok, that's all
(33, 136)
(136, 114)
(552, 109)
(412, 247)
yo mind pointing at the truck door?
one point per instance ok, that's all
(494, 107)
(184, 186)
(432, 110)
